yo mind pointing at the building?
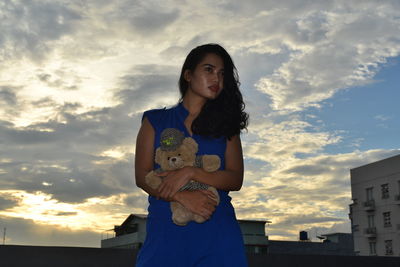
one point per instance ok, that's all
(132, 232)
(375, 211)
(254, 236)
(332, 244)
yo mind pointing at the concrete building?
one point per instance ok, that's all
(132, 232)
(254, 236)
(375, 211)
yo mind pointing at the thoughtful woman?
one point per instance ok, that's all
(211, 111)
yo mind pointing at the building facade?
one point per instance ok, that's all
(375, 211)
(132, 233)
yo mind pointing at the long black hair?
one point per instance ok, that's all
(223, 116)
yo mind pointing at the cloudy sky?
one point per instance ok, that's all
(320, 79)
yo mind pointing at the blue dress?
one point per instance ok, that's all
(217, 242)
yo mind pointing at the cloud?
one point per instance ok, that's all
(149, 86)
(64, 157)
(330, 51)
(31, 25)
(7, 96)
(76, 77)
(303, 193)
(28, 232)
(283, 140)
(6, 203)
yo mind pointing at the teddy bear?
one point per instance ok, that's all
(177, 151)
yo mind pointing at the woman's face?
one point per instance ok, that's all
(207, 79)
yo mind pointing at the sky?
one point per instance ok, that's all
(319, 78)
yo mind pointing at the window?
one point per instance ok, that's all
(372, 248)
(371, 222)
(385, 191)
(397, 197)
(389, 247)
(386, 219)
(369, 193)
(356, 228)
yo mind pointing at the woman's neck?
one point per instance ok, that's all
(193, 103)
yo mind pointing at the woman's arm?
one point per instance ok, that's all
(230, 179)
(200, 202)
(144, 156)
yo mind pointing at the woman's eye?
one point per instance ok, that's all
(208, 69)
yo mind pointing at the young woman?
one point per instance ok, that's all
(211, 111)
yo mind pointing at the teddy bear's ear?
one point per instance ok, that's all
(191, 145)
(158, 156)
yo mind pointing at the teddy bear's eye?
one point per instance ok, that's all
(179, 155)
(169, 158)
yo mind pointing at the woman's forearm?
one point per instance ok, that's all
(226, 180)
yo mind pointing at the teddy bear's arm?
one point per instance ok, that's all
(152, 179)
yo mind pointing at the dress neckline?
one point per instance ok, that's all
(183, 114)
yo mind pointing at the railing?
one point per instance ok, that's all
(370, 232)
(369, 205)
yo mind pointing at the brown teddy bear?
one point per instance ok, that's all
(176, 152)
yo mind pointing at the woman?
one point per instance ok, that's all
(211, 112)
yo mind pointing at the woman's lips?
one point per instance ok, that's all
(214, 88)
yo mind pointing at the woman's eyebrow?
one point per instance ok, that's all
(210, 65)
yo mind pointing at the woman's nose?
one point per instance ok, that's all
(216, 76)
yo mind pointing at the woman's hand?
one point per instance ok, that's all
(201, 202)
(173, 181)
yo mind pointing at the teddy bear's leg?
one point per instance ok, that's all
(215, 192)
(180, 215)
(199, 219)
(153, 180)
(210, 163)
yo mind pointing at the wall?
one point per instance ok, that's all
(16, 256)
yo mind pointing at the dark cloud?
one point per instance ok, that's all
(182, 51)
(6, 203)
(151, 21)
(7, 96)
(28, 26)
(137, 201)
(66, 213)
(58, 80)
(308, 170)
(150, 87)
(145, 17)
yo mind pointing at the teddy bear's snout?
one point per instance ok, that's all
(175, 162)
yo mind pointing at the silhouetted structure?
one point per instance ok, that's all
(17, 256)
(334, 244)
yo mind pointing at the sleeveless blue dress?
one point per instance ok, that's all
(217, 242)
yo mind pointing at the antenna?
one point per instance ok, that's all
(4, 235)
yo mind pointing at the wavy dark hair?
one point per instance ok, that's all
(223, 116)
